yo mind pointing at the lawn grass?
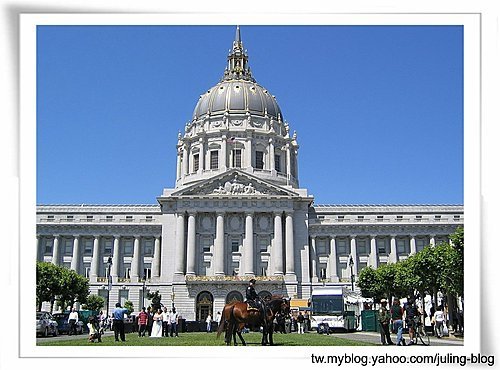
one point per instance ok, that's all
(210, 339)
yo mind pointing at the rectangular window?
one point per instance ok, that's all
(129, 218)
(399, 218)
(48, 247)
(51, 218)
(128, 247)
(321, 246)
(196, 162)
(86, 269)
(340, 218)
(456, 217)
(418, 218)
(147, 271)
(263, 269)
(401, 246)
(382, 246)
(437, 217)
(149, 218)
(90, 218)
(214, 160)
(68, 247)
(277, 162)
(263, 245)
(322, 272)
(206, 245)
(237, 158)
(380, 218)
(126, 270)
(109, 218)
(148, 248)
(235, 245)
(362, 246)
(69, 217)
(123, 296)
(259, 160)
(342, 246)
(87, 247)
(108, 247)
(420, 244)
(361, 218)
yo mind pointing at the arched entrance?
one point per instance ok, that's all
(264, 294)
(204, 306)
(234, 296)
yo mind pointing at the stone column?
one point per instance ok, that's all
(354, 254)
(271, 155)
(185, 161)
(219, 245)
(290, 249)
(179, 165)
(249, 245)
(223, 156)
(115, 268)
(191, 245)
(179, 246)
(332, 261)
(136, 260)
(432, 240)
(75, 259)
(156, 258)
(96, 257)
(393, 256)
(248, 151)
(56, 250)
(373, 251)
(39, 254)
(288, 163)
(202, 156)
(314, 260)
(278, 245)
(413, 245)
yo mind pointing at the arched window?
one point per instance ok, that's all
(234, 296)
(264, 294)
(204, 305)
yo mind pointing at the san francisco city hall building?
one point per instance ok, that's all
(236, 211)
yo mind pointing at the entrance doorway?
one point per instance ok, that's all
(204, 306)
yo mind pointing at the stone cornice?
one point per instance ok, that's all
(387, 208)
(98, 208)
(89, 230)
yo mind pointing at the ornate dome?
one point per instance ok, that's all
(237, 96)
(237, 92)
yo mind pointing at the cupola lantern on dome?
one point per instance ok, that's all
(237, 124)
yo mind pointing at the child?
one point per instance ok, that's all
(94, 332)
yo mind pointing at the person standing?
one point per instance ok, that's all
(384, 319)
(209, 323)
(118, 324)
(157, 324)
(165, 319)
(397, 321)
(142, 320)
(150, 320)
(438, 319)
(300, 322)
(218, 318)
(412, 315)
(173, 323)
(72, 320)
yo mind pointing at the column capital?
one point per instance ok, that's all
(76, 236)
(95, 236)
(192, 213)
(220, 213)
(55, 236)
(137, 236)
(353, 236)
(332, 237)
(373, 236)
(277, 213)
(157, 236)
(249, 213)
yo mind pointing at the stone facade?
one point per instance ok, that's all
(236, 212)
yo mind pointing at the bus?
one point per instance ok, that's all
(333, 308)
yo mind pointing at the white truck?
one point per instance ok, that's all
(333, 308)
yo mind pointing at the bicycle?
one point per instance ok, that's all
(420, 332)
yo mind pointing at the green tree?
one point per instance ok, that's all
(48, 283)
(76, 288)
(129, 306)
(94, 303)
(369, 284)
(155, 298)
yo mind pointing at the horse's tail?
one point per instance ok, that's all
(222, 323)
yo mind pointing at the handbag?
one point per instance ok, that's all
(445, 330)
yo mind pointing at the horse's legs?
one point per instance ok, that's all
(241, 337)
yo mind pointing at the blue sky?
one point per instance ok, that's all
(378, 109)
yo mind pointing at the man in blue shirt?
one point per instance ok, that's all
(118, 326)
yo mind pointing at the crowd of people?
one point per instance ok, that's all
(392, 319)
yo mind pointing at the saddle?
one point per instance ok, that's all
(251, 306)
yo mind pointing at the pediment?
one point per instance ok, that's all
(234, 183)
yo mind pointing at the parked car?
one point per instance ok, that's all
(46, 324)
(63, 325)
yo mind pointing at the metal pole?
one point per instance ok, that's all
(143, 291)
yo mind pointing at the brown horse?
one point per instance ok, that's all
(236, 315)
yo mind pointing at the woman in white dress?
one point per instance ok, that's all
(157, 324)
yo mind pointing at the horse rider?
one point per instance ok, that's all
(253, 298)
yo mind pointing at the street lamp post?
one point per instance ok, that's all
(143, 291)
(110, 283)
(351, 264)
